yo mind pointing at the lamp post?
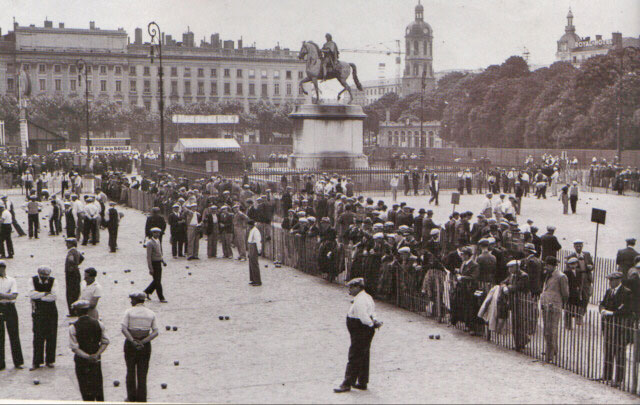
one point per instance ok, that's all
(82, 67)
(154, 31)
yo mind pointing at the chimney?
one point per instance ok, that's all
(92, 25)
(60, 25)
(598, 37)
(48, 24)
(138, 36)
(616, 38)
(240, 43)
(229, 44)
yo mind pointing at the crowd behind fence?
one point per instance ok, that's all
(586, 343)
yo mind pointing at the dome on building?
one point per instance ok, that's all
(419, 27)
(569, 36)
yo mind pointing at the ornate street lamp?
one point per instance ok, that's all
(156, 36)
(82, 68)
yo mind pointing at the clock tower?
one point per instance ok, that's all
(418, 62)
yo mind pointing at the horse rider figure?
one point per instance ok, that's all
(330, 56)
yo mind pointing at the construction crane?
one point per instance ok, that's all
(398, 52)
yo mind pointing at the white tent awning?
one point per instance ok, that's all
(206, 145)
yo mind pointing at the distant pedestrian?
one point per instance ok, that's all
(112, 220)
(361, 323)
(564, 197)
(573, 196)
(254, 244)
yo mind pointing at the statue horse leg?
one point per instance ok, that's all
(315, 85)
(303, 81)
(342, 78)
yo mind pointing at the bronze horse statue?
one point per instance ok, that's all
(313, 55)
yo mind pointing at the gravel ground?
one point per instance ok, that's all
(285, 342)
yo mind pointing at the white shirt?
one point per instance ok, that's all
(8, 285)
(363, 308)
(194, 219)
(92, 210)
(255, 237)
(5, 217)
(525, 176)
(487, 205)
(35, 295)
(77, 207)
(90, 291)
(394, 182)
(139, 318)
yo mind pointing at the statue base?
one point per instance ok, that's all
(328, 136)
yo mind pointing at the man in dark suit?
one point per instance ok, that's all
(178, 232)
(486, 263)
(625, 257)
(615, 310)
(112, 219)
(584, 273)
(549, 243)
(532, 265)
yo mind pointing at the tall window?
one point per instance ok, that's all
(118, 70)
(300, 74)
(187, 88)
(132, 86)
(214, 88)
(89, 85)
(201, 88)
(227, 89)
(416, 47)
(132, 71)
(263, 74)
(103, 85)
(200, 72)
(214, 72)
(72, 69)
(252, 74)
(147, 86)
(147, 71)
(264, 91)
(103, 70)
(238, 72)
(174, 87)
(42, 68)
(58, 84)
(288, 89)
(187, 72)
(43, 84)
(72, 84)
(276, 89)
(239, 89)
(276, 74)
(288, 75)
(118, 86)
(57, 68)
(174, 71)
(252, 89)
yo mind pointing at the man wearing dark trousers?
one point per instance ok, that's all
(9, 206)
(361, 323)
(178, 232)
(45, 318)
(139, 327)
(112, 220)
(87, 341)
(5, 233)
(155, 263)
(72, 273)
(33, 216)
(9, 317)
(617, 325)
(254, 246)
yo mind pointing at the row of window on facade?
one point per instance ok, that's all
(381, 91)
(173, 71)
(416, 69)
(400, 138)
(186, 86)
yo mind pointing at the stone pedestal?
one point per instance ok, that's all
(328, 136)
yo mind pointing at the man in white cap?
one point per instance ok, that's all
(139, 327)
(45, 317)
(88, 341)
(361, 323)
(254, 245)
(9, 317)
(573, 196)
(155, 261)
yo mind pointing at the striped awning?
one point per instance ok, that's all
(206, 145)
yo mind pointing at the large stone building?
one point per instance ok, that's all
(122, 71)
(572, 48)
(405, 133)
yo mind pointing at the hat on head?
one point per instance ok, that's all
(404, 249)
(176, 206)
(356, 281)
(3, 263)
(513, 263)
(578, 242)
(44, 270)
(311, 219)
(631, 241)
(112, 203)
(435, 231)
(377, 225)
(67, 203)
(421, 211)
(378, 235)
(491, 240)
(615, 275)
(140, 296)
(530, 246)
(81, 304)
(467, 250)
(551, 228)
(572, 260)
(483, 242)
(71, 240)
(551, 261)
(325, 219)
(156, 230)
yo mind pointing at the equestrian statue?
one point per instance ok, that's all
(323, 64)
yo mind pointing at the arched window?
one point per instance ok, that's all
(431, 139)
(416, 70)
(416, 47)
(425, 48)
(408, 48)
(403, 138)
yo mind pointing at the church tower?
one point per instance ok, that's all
(418, 55)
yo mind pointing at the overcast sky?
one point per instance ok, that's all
(468, 34)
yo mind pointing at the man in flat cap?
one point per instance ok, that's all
(555, 294)
(112, 219)
(194, 223)
(9, 317)
(549, 243)
(625, 257)
(45, 317)
(155, 261)
(178, 231)
(139, 327)
(88, 341)
(617, 327)
(361, 323)
(6, 221)
(72, 273)
(584, 276)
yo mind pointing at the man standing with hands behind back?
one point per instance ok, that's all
(361, 323)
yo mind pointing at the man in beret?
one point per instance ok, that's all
(72, 273)
(88, 341)
(555, 294)
(45, 317)
(361, 323)
(139, 327)
(625, 257)
(617, 324)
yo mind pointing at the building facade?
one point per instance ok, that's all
(574, 49)
(122, 71)
(372, 90)
(405, 133)
(418, 61)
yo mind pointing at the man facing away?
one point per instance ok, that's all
(45, 317)
(555, 293)
(361, 323)
(139, 328)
